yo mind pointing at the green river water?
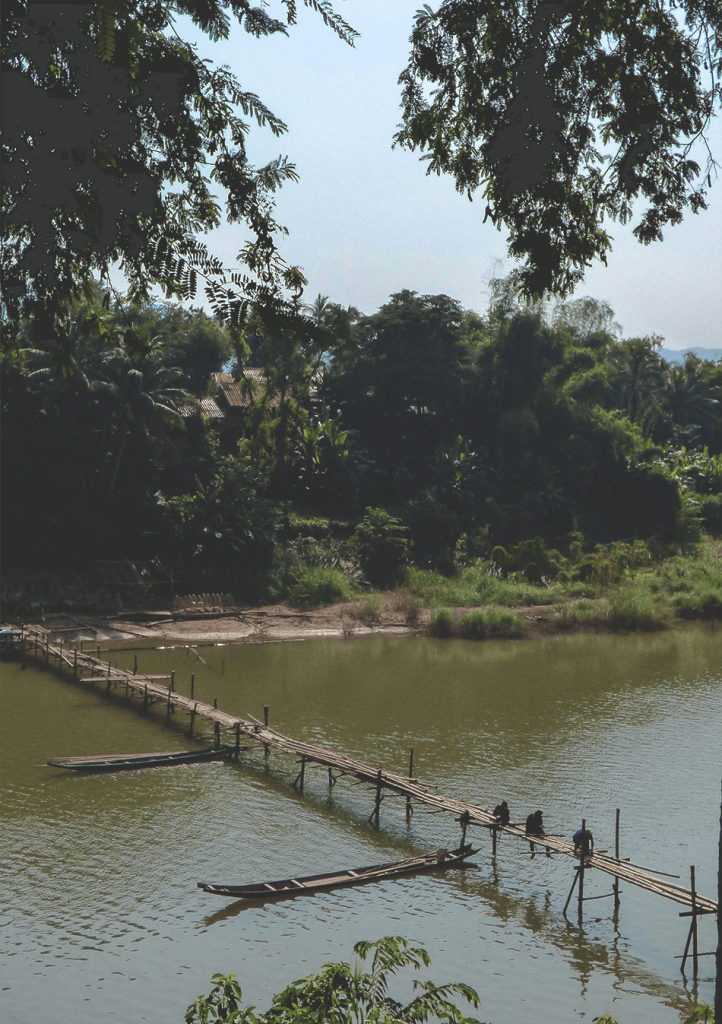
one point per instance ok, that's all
(100, 917)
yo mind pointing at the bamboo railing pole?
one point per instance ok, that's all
(581, 872)
(409, 809)
(718, 957)
(692, 888)
(571, 891)
(616, 855)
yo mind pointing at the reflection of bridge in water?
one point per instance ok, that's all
(383, 782)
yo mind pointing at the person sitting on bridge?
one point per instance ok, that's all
(583, 842)
(535, 827)
(502, 813)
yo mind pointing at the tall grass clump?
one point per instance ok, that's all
(442, 623)
(316, 587)
(369, 609)
(484, 624)
(489, 623)
(580, 613)
(475, 584)
(638, 608)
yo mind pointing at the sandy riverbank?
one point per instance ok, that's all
(279, 622)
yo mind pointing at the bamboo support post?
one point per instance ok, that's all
(582, 859)
(695, 950)
(409, 808)
(193, 715)
(302, 773)
(135, 664)
(145, 698)
(494, 834)
(615, 887)
(167, 713)
(571, 891)
(718, 956)
(98, 652)
(377, 805)
(217, 736)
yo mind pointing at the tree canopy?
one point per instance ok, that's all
(114, 134)
(565, 114)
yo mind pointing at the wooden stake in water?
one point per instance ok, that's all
(693, 890)
(718, 957)
(581, 870)
(409, 808)
(615, 887)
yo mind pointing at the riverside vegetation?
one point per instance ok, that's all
(528, 457)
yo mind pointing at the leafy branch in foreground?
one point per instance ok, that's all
(340, 994)
(564, 114)
(113, 119)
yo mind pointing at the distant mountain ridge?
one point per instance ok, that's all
(676, 355)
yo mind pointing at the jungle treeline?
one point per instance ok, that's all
(454, 431)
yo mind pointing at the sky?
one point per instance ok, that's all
(365, 220)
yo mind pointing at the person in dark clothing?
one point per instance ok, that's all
(502, 814)
(535, 827)
(583, 842)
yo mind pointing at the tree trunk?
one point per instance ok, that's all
(123, 443)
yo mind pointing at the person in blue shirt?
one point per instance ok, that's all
(583, 842)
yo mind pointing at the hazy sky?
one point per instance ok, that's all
(365, 220)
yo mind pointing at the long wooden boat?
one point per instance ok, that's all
(118, 762)
(288, 887)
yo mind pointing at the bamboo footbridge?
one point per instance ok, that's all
(150, 690)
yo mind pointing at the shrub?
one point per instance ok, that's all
(489, 623)
(442, 623)
(381, 546)
(634, 608)
(369, 609)
(706, 604)
(314, 588)
(409, 605)
(710, 512)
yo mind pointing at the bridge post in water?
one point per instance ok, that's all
(377, 805)
(615, 887)
(409, 809)
(581, 871)
(718, 957)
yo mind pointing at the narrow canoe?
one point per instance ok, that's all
(287, 887)
(117, 762)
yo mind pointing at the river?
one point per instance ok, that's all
(99, 911)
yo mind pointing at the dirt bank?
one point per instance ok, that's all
(279, 622)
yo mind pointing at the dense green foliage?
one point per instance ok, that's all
(564, 114)
(127, 134)
(492, 453)
(340, 994)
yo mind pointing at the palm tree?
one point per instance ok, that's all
(687, 397)
(640, 380)
(144, 401)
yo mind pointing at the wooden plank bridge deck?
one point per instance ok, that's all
(261, 735)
